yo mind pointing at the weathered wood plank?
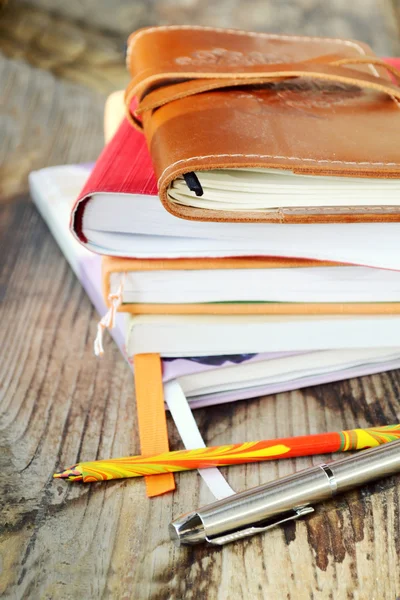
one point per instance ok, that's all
(71, 50)
(367, 20)
(45, 122)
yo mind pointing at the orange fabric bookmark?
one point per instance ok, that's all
(151, 418)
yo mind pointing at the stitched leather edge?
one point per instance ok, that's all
(132, 39)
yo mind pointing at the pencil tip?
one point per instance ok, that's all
(71, 474)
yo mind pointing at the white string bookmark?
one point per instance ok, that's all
(108, 320)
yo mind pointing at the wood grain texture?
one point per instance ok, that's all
(71, 50)
(44, 122)
(58, 404)
(367, 20)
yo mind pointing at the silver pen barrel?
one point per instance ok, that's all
(366, 466)
(258, 509)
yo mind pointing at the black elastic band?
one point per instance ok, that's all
(193, 183)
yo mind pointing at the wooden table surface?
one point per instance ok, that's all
(58, 403)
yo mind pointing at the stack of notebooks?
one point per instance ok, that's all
(242, 224)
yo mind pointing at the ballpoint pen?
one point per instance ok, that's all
(258, 509)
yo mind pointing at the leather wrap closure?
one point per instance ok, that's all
(212, 99)
(155, 89)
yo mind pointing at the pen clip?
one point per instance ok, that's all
(290, 515)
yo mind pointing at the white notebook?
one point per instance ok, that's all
(202, 335)
(293, 370)
(140, 227)
(295, 284)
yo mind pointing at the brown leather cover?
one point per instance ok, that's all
(213, 98)
(112, 264)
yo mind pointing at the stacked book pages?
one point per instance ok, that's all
(240, 231)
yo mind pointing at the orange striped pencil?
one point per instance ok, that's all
(233, 454)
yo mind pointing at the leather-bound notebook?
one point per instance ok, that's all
(261, 127)
(248, 286)
(118, 213)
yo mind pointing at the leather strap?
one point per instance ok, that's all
(153, 90)
(152, 421)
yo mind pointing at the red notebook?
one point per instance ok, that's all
(118, 213)
(116, 172)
